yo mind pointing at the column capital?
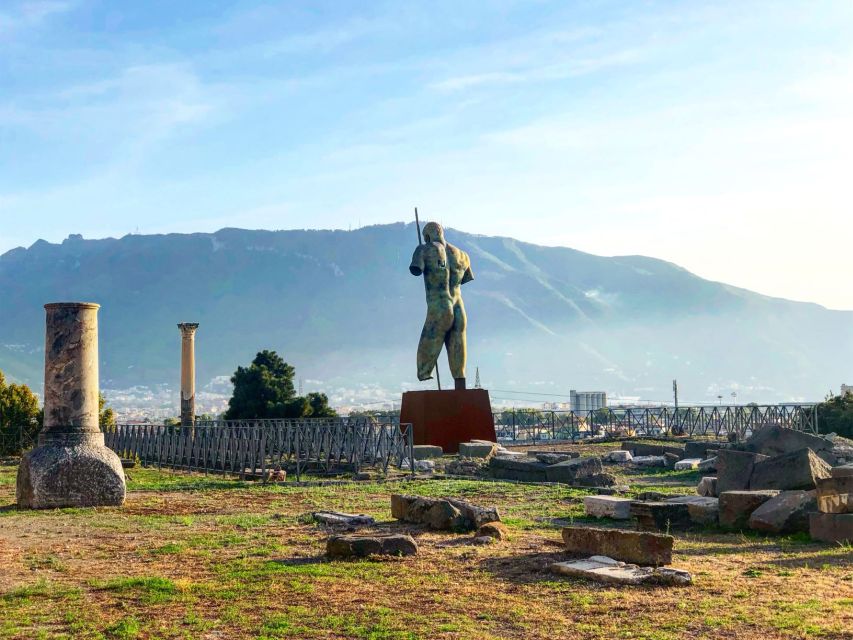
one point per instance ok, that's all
(188, 328)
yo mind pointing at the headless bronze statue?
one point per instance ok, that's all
(445, 269)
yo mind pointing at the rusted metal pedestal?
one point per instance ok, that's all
(446, 418)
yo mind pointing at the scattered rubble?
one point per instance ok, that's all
(349, 546)
(796, 470)
(628, 546)
(604, 569)
(335, 518)
(648, 461)
(687, 463)
(737, 506)
(617, 457)
(607, 507)
(707, 487)
(786, 513)
(496, 530)
(446, 514)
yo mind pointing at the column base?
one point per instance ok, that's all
(73, 470)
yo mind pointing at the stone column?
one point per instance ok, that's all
(188, 330)
(71, 467)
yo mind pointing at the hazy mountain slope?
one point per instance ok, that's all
(343, 308)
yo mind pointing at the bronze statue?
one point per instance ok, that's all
(445, 269)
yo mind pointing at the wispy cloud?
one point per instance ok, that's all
(31, 14)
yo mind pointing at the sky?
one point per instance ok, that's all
(715, 135)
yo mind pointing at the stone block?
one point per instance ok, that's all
(671, 459)
(496, 530)
(445, 514)
(687, 463)
(573, 471)
(352, 546)
(707, 487)
(628, 546)
(835, 495)
(734, 469)
(477, 449)
(831, 527)
(335, 518)
(426, 451)
(844, 471)
(638, 448)
(776, 441)
(512, 468)
(617, 457)
(608, 507)
(704, 511)
(698, 448)
(737, 506)
(798, 470)
(786, 513)
(708, 464)
(660, 516)
(649, 461)
(607, 570)
(550, 457)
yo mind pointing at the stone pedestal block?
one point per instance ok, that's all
(831, 527)
(71, 467)
(446, 418)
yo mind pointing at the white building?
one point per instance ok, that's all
(587, 400)
(846, 388)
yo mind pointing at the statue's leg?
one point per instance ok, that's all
(437, 324)
(457, 348)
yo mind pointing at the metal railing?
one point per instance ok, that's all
(254, 447)
(528, 425)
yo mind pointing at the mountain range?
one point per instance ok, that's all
(342, 307)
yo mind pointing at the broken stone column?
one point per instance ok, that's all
(188, 330)
(71, 467)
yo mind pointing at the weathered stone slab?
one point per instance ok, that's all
(660, 516)
(786, 513)
(617, 457)
(707, 487)
(608, 570)
(699, 448)
(775, 441)
(335, 518)
(798, 470)
(704, 511)
(831, 527)
(687, 463)
(477, 449)
(628, 546)
(555, 458)
(649, 461)
(607, 507)
(737, 506)
(496, 530)
(734, 469)
(446, 514)
(650, 449)
(844, 471)
(709, 464)
(671, 459)
(835, 495)
(572, 471)
(524, 469)
(425, 451)
(353, 546)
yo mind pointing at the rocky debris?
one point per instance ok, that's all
(496, 530)
(649, 449)
(687, 463)
(607, 507)
(835, 495)
(649, 461)
(524, 469)
(699, 448)
(352, 546)
(335, 518)
(424, 451)
(709, 464)
(128, 463)
(660, 516)
(608, 570)
(637, 547)
(617, 457)
(671, 459)
(703, 511)
(776, 441)
(549, 457)
(737, 506)
(477, 449)
(786, 513)
(573, 471)
(444, 514)
(844, 471)
(465, 467)
(483, 540)
(734, 469)
(653, 496)
(597, 480)
(831, 527)
(421, 466)
(796, 470)
(707, 487)
(363, 476)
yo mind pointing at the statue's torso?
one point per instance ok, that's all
(445, 268)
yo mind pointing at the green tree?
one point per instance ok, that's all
(106, 415)
(20, 417)
(265, 389)
(835, 414)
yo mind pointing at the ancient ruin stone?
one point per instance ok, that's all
(651, 449)
(628, 546)
(348, 546)
(775, 441)
(786, 513)
(446, 514)
(734, 469)
(524, 469)
(660, 516)
(649, 461)
(707, 487)
(617, 457)
(71, 467)
(798, 470)
(497, 530)
(607, 507)
(425, 451)
(831, 527)
(835, 495)
(737, 506)
(335, 518)
(572, 471)
(548, 457)
(687, 464)
(844, 471)
(608, 570)
(477, 449)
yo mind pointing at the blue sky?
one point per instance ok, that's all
(716, 135)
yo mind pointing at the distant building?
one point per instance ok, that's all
(587, 400)
(846, 388)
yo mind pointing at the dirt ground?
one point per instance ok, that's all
(191, 556)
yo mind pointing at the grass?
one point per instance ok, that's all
(191, 556)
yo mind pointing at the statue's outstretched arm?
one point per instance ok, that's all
(417, 266)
